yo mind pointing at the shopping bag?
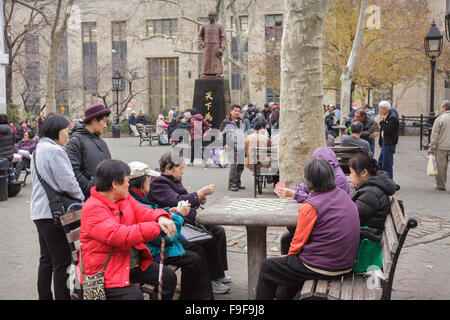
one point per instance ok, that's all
(432, 166)
(223, 158)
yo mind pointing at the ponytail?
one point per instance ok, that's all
(364, 161)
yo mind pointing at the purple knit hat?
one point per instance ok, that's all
(94, 111)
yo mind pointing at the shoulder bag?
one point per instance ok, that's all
(94, 285)
(59, 202)
(195, 232)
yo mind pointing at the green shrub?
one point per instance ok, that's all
(12, 112)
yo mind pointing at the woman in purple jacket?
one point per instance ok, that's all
(326, 238)
(166, 191)
(301, 192)
(25, 148)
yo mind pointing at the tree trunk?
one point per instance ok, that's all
(50, 98)
(58, 30)
(241, 42)
(302, 127)
(347, 73)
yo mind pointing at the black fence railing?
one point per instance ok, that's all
(424, 123)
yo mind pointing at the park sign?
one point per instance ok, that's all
(211, 98)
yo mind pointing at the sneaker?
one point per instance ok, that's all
(440, 189)
(219, 287)
(225, 279)
(234, 188)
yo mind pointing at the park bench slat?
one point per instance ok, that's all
(321, 289)
(335, 289)
(358, 288)
(399, 218)
(387, 259)
(391, 234)
(70, 217)
(347, 287)
(307, 289)
(73, 235)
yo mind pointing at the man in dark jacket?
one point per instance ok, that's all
(233, 134)
(388, 137)
(142, 118)
(86, 149)
(368, 132)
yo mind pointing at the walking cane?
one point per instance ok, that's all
(161, 264)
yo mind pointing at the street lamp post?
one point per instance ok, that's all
(116, 86)
(433, 48)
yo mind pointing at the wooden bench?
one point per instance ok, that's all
(147, 133)
(344, 154)
(71, 223)
(368, 287)
(264, 156)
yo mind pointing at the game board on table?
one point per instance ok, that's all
(255, 205)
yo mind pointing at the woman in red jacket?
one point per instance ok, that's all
(113, 220)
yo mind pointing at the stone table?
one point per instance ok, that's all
(256, 215)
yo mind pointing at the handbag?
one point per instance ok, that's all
(94, 285)
(195, 232)
(369, 251)
(59, 202)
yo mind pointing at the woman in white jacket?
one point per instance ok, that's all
(54, 168)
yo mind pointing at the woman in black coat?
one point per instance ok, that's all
(7, 139)
(372, 190)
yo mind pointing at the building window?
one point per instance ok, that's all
(119, 48)
(163, 83)
(32, 94)
(89, 39)
(272, 47)
(168, 27)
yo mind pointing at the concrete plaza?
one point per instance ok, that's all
(422, 272)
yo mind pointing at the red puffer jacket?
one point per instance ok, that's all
(103, 227)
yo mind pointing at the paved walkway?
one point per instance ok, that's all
(422, 270)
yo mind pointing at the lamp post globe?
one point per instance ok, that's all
(433, 47)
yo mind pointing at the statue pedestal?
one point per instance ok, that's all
(212, 99)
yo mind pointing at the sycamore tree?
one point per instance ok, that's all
(302, 129)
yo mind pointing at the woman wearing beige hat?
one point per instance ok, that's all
(195, 280)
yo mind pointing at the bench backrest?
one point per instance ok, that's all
(264, 155)
(344, 154)
(71, 223)
(394, 235)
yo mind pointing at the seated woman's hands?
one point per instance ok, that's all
(167, 226)
(184, 209)
(206, 191)
(286, 193)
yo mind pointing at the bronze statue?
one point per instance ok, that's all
(212, 40)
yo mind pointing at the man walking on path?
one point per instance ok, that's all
(388, 137)
(440, 144)
(86, 149)
(233, 133)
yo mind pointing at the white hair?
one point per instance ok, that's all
(385, 105)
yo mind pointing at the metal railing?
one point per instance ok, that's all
(424, 123)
